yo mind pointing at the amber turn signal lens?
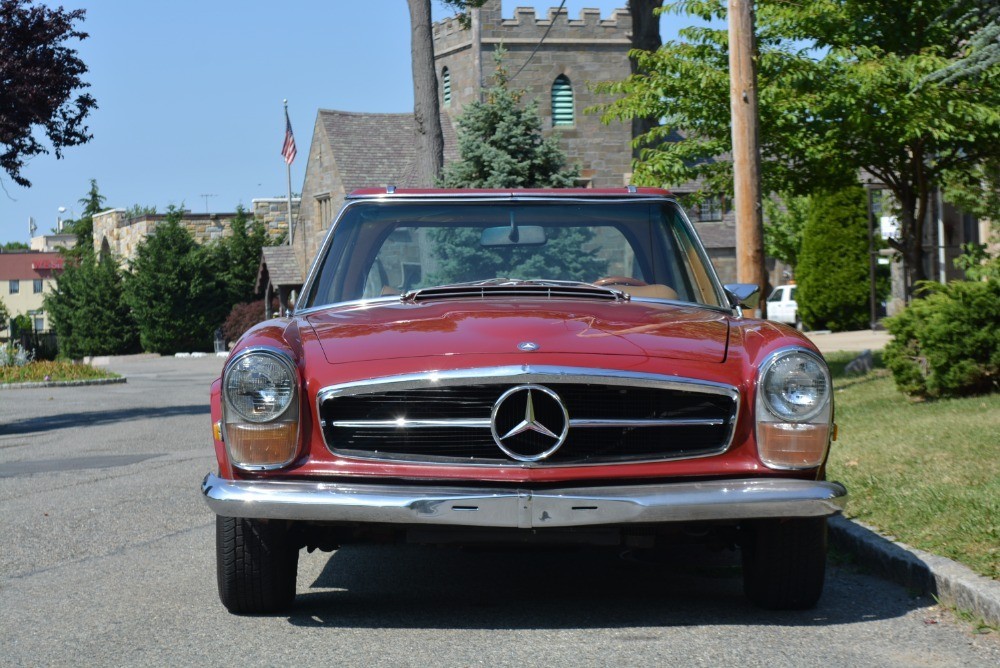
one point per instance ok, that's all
(270, 444)
(790, 445)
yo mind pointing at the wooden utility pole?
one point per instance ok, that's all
(746, 151)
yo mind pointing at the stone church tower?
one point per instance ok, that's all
(557, 71)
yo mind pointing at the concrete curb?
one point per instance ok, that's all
(952, 583)
(62, 383)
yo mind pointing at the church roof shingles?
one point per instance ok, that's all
(374, 150)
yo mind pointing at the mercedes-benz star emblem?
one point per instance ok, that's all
(527, 346)
(529, 422)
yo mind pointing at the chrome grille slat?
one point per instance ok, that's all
(443, 417)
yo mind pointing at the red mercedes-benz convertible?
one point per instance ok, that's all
(517, 366)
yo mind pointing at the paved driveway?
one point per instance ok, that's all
(107, 558)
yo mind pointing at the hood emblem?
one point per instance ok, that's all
(528, 346)
(529, 422)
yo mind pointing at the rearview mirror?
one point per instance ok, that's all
(521, 235)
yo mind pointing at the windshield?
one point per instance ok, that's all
(382, 249)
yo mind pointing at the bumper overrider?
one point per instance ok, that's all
(523, 508)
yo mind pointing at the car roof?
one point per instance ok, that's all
(475, 193)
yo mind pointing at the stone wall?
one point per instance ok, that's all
(117, 233)
(324, 193)
(586, 50)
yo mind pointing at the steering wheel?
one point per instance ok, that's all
(620, 280)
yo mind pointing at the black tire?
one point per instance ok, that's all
(256, 563)
(784, 562)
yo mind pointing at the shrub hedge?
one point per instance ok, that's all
(948, 343)
(832, 272)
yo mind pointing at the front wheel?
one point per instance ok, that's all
(256, 563)
(784, 562)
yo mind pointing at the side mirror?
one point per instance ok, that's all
(743, 295)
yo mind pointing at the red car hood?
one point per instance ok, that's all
(497, 326)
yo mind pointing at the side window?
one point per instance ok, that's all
(398, 266)
(562, 101)
(775, 295)
(791, 295)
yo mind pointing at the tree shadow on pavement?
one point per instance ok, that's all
(90, 418)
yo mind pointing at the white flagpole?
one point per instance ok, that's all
(288, 172)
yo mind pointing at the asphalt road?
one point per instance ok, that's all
(107, 558)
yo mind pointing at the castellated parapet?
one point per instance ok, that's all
(585, 50)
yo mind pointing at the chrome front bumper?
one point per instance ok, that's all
(521, 508)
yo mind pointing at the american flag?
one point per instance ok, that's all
(288, 148)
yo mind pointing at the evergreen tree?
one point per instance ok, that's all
(83, 227)
(501, 143)
(177, 293)
(832, 272)
(238, 256)
(501, 146)
(88, 309)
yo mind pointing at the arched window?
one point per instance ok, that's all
(446, 87)
(562, 101)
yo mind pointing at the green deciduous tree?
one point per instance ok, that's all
(39, 76)
(88, 309)
(784, 221)
(178, 296)
(841, 88)
(832, 272)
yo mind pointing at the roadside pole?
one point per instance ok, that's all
(746, 150)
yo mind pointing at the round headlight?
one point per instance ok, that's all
(795, 386)
(260, 386)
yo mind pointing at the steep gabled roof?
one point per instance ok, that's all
(378, 149)
(278, 266)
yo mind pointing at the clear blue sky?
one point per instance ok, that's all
(190, 97)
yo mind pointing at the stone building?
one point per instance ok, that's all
(556, 72)
(349, 151)
(352, 150)
(117, 233)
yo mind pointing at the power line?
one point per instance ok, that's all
(539, 45)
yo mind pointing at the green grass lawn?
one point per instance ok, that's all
(926, 473)
(37, 372)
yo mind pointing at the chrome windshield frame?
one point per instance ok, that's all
(513, 196)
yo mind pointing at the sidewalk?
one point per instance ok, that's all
(864, 339)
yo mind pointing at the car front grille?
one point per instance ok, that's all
(464, 417)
